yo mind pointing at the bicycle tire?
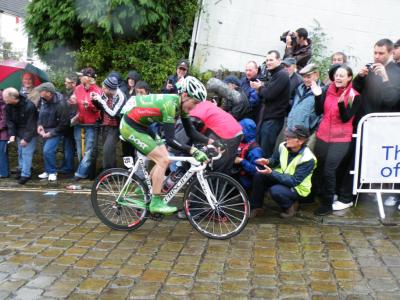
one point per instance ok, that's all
(232, 214)
(105, 190)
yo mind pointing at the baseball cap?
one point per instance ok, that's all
(183, 63)
(46, 86)
(297, 131)
(90, 72)
(288, 61)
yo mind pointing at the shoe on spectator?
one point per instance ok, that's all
(291, 211)
(335, 198)
(44, 175)
(18, 176)
(52, 177)
(323, 210)
(338, 205)
(23, 180)
(390, 201)
(77, 178)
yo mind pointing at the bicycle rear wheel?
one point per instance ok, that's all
(232, 210)
(105, 191)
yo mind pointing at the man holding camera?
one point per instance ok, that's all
(298, 46)
(379, 82)
(182, 69)
(274, 97)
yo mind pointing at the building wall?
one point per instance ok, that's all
(12, 30)
(232, 32)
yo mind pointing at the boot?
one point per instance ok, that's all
(157, 205)
(291, 211)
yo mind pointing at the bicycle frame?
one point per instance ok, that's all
(195, 167)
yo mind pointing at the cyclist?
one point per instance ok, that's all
(140, 112)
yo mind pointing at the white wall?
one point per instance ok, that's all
(13, 31)
(231, 32)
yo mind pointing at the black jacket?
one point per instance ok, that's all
(275, 94)
(22, 119)
(302, 54)
(54, 115)
(379, 96)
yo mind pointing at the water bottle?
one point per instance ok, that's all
(172, 178)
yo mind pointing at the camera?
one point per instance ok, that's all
(370, 66)
(292, 35)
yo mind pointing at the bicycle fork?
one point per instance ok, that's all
(206, 189)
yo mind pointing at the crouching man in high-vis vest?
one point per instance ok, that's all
(286, 175)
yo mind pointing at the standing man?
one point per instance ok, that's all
(21, 117)
(87, 116)
(379, 82)
(182, 69)
(52, 121)
(110, 103)
(251, 73)
(300, 49)
(274, 97)
(295, 79)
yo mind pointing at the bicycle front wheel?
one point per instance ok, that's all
(231, 212)
(108, 199)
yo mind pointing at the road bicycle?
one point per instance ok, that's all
(215, 204)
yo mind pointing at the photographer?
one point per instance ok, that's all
(298, 46)
(379, 82)
(182, 69)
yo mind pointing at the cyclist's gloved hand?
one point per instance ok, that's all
(198, 155)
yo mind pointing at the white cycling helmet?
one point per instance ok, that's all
(193, 87)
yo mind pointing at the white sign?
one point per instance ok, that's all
(380, 160)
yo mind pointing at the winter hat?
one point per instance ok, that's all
(332, 71)
(249, 130)
(111, 83)
(89, 72)
(288, 61)
(232, 79)
(134, 75)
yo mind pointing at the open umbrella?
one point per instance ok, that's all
(11, 74)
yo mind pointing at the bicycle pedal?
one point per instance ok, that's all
(156, 217)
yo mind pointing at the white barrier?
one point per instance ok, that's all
(377, 157)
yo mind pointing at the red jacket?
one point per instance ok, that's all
(89, 114)
(332, 129)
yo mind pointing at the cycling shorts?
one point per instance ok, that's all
(143, 142)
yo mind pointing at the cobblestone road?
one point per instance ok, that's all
(53, 247)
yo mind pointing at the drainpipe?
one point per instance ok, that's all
(196, 27)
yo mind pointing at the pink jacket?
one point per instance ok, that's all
(332, 129)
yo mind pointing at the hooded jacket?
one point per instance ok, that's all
(252, 152)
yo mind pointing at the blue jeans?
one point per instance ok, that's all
(3, 159)
(69, 152)
(25, 155)
(85, 158)
(49, 154)
(269, 132)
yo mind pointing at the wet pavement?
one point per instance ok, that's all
(52, 246)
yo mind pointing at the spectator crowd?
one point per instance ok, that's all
(283, 96)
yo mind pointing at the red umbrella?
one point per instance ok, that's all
(11, 72)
